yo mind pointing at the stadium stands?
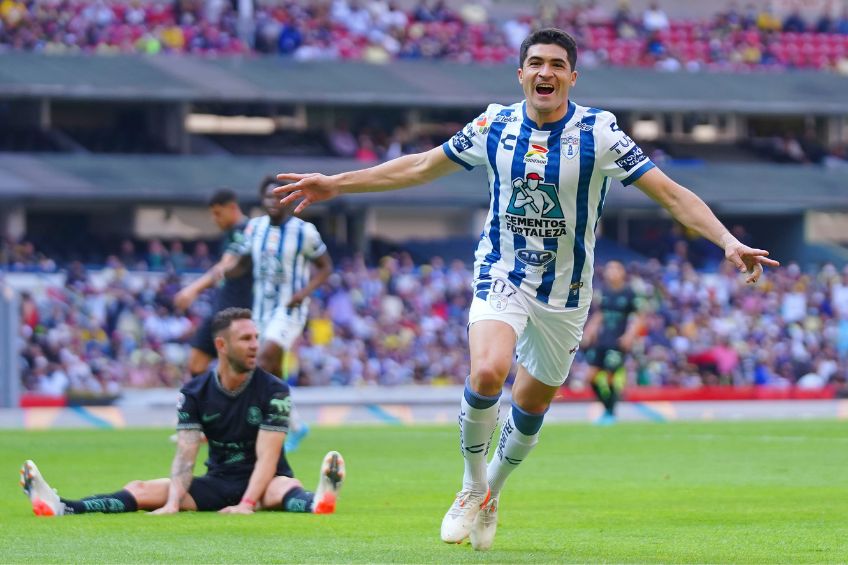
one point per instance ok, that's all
(377, 31)
(404, 323)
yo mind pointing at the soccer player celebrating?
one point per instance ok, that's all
(533, 265)
(610, 332)
(235, 292)
(244, 412)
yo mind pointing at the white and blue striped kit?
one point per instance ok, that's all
(281, 257)
(547, 186)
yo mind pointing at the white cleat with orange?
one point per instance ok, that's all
(45, 500)
(329, 484)
(485, 525)
(456, 525)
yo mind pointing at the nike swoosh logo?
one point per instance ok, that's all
(209, 417)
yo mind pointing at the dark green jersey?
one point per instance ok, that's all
(238, 291)
(616, 307)
(231, 420)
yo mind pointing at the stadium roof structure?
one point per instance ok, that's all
(404, 83)
(76, 180)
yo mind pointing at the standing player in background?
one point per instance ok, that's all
(533, 265)
(244, 412)
(613, 325)
(280, 250)
(235, 292)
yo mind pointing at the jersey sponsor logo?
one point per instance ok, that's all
(534, 209)
(621, 144)
(461, 142)
(280, 409)
(180, 401)
(271, 270)
(537, 154)
(583, 126)
(254, 415)
(631, 159)
(504, 119)
(534, 259)
(570, 146)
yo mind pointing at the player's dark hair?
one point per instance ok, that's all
(550, 36)
(222, 320)
(223, 196)
(271, 181)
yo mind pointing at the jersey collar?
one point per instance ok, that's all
(236, 392)
(550, 126)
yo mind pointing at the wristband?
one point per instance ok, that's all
(249, 502)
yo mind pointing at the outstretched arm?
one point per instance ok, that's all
(182, 469)
(186, 297)
(691, 211)
(403, 172)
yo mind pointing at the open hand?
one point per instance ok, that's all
(748, 260)
(309, 188)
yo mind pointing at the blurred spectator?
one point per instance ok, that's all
(399, 322)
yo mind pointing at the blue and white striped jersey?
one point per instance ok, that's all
(547, 187)
(281, 256)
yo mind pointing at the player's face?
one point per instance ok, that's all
(546, 77)
(272, 206)
(224, 215)
(241, 345)
(614, 274)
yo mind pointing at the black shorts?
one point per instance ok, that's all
(203, 340)
(213, 492)
(604, 358)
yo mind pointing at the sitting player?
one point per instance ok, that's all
(244, 412)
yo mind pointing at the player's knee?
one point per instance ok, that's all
(135, 487)
(488, 378)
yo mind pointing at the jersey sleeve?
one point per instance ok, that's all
(313, 245)
(277, 410)
(188, 417)
(618, 155)
(467, 147)
(241, 243)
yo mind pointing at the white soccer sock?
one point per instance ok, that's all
(513, 447)
(476, 426)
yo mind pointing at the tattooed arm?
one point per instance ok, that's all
(182, 469)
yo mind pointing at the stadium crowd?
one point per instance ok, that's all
(380, 30)
(400, 323)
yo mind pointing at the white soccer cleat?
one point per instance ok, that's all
(329, 483)
(456, 525)
(485, 525)
(45, 500)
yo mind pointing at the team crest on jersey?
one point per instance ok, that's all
(254, 416)
(570, 146)
(537, 154)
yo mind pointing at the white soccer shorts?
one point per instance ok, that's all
(546, 338)
(282, 326)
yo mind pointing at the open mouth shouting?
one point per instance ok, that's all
(545, 89)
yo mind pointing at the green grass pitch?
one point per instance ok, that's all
(632, 493)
